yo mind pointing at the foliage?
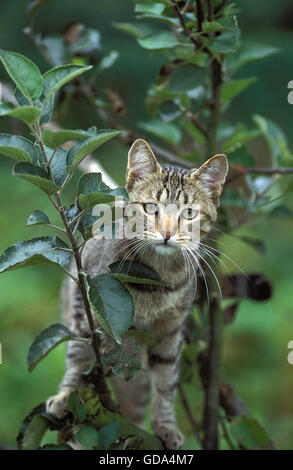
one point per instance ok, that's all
(188, 106)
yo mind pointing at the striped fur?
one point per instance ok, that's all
(161, 311)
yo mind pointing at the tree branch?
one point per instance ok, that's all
(199, 15)
(183, 24)
(101, 385)
(242, 171)
(211, 377)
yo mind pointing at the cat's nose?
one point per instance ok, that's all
(167, 236)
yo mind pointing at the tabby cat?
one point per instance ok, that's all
(161, 311)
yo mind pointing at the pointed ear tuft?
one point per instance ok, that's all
(212, 174)
(142, 163)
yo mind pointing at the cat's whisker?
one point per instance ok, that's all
(194, 271)
(226, 256)
(210, 254)
(212, 271)
(201, 270)
(128, 252)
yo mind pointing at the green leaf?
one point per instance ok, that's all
(159, 40)
(239, 136)
(35, 252)
(123, 360)
(55, 139)
(225, 43)
(24, 73)
(59, 76)
(85, 146)
(135, 29)
(38, 218)
(213, 26)
(86, 223)
(281, 211)
(35, 175)
(235, 87)
(92, 190)
(45, 342)
(47, 111)
(87, 42)
(166, 131)
(187, 77)
(135, 272)
(77, 408)
(248, 433)
(108, 434)
(55, 49)
(33, 434)
(109, 60)
(147, 7)
(17, 147)
(27, 114)
(162, 18)
(58, 164)
(250, 53)
(113, 304)
(276, 140)
(87, 436)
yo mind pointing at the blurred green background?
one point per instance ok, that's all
(255, 346)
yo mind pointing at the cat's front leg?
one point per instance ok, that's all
(164, 361)
(78, 360)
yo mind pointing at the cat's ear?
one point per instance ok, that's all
(212, 174)
(142, 163)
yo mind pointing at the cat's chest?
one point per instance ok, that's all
(153, 304)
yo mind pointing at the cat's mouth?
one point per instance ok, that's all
(165, 247)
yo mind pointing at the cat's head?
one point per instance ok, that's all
(173, 201)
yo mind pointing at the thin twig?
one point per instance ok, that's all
(197, 124)
(190, 416)
(226, 434)
(242, 171)
(183, 24)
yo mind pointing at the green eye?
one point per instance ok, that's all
(151, 208)
(190, 213)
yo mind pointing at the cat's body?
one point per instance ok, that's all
(161, 311)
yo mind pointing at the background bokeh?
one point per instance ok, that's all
(255, 346)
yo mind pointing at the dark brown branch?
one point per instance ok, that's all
(101, 385)
(242, 171)
(199, 15)
(215, 106)
(183, 24)
(198, 125)
(211, 382)
(190, 416)
(209, 10)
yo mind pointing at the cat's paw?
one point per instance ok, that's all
(169, 434)
(56, 405)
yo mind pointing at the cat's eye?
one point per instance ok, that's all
(189, 213)
(151, 208)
